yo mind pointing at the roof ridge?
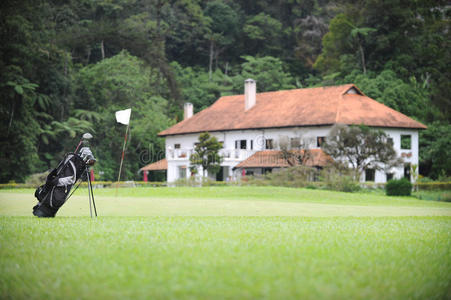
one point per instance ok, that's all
(296, 89)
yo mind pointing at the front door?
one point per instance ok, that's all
(407, 171)
(220, 174)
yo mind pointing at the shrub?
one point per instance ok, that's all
(337, 177)
(433, 186)
(37, 179)
(298, 176)
(398, 187)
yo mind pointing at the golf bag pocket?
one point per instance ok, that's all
(40, 193)
(58, 196)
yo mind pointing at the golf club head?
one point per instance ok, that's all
(87, 136)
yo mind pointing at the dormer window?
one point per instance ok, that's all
(353, 91)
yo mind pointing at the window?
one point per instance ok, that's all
(252, 144)
(406, 142)
(269, 144)
(267, 170)
(240, 144)
(390, 141)
(176, 146)
(182, 172)
(370, 174)
(295, 143)
(249, 173)
(319, 141)
(389, 176)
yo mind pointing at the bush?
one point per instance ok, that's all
(433, 186)
(298, 176)
(337, 177)
(37, 179)
(199, 181)
(398, 187)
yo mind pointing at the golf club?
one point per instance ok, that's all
(86, 136)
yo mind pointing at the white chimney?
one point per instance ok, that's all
(187, 110)
(250, 89)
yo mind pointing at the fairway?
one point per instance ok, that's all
(228, 201)
(226, 242)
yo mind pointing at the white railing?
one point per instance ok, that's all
(226, 154)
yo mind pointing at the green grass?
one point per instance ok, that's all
(229, 201)
(232, 243)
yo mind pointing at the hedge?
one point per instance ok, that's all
(433, 186)
(96, 184)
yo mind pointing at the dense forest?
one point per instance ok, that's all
(67, 65)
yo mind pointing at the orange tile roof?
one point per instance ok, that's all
(291, 108)
(274, 159)
(156, 166)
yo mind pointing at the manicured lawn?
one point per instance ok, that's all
(226, 242)
(229, 201)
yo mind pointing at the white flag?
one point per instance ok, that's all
(123, 116)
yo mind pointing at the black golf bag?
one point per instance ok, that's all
(53, 194)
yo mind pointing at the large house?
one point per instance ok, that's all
(252, 126)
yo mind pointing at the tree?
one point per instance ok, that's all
(206, 154)
(263, 34)
(360, 147)
(224, 24)
(268, 71)
(113, 84)
(295, 151)
(198, 88)
(435, 150)
(410, 98)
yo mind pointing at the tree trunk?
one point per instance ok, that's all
(10, 123)
(362, 56)
(216, 59)
(226, 68)
(88, 50)
(210, 65)
(102, 49)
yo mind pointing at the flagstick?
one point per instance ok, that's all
(122, 157)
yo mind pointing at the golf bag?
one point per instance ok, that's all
(54, 193)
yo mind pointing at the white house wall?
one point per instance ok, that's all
(180, 157)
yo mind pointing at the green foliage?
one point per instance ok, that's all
(361, 147)
(433, 186)
(206, 154)
(398, 187)
(335, 44)
(268, 71)
(386, 87)
(435, 150)
(198, 88)
(113, 84)
(298, 176)
(52, 88)
(337, 177)
(264, 34)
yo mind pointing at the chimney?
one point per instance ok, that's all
(187, 110)
(250, 87)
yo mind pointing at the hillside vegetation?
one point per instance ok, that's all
(66, 66)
